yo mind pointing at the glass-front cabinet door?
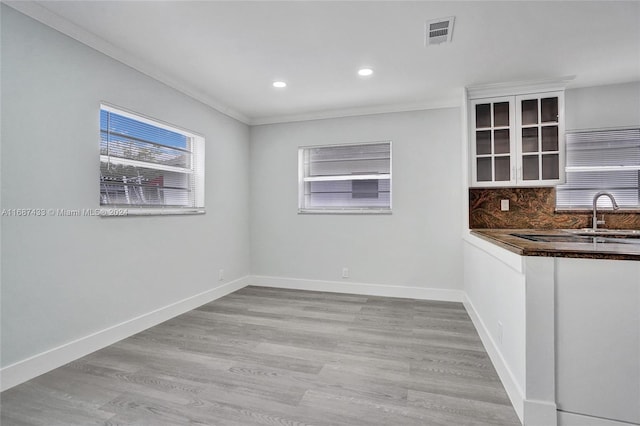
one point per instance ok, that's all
(517, 140)
(540, 131)
(493, 141)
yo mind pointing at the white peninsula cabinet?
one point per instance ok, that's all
(516, 140)
(563, 333)
(598, 341)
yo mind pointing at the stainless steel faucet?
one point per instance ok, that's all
(597, 222)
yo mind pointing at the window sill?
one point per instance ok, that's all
(136, 211)
(344, 211)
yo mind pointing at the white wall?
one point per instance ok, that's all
(615, 105)
(64, 278)
(417, 246)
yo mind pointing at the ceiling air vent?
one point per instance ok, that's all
(438, 30)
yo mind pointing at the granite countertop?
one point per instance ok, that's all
(559, 246)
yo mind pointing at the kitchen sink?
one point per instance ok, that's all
(578, 236)
(614, 233)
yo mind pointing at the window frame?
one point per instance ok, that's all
(596, 168)
(303, 179)
(197, 169)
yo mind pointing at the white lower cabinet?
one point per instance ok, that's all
(598, 341)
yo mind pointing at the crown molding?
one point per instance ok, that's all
(451, 102)
(40, 13)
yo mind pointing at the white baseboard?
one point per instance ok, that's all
(514, 391)
(540, 413)
(572, 419)
(407, 292)
(36, 365)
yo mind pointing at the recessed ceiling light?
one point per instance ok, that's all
(365, 72)
(279, 84)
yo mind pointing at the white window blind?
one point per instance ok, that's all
(148, 164)
(605, 160)
(345, 178)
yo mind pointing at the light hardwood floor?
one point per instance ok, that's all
(266, 356)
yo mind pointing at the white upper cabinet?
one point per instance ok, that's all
(517, 140)
(493, 142)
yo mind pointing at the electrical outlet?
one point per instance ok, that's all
(499, 332)
(504, 205)
(221, 275)
(345, 272)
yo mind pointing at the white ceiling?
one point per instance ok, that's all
(227, 54)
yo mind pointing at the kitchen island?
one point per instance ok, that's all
(560, 318)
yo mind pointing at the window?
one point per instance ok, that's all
(606, 160)
(148, 165)
(345, 178)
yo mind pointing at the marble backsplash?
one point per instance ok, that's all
(535, 208)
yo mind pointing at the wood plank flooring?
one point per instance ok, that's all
(266, 356)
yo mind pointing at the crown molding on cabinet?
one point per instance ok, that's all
(522, 87)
